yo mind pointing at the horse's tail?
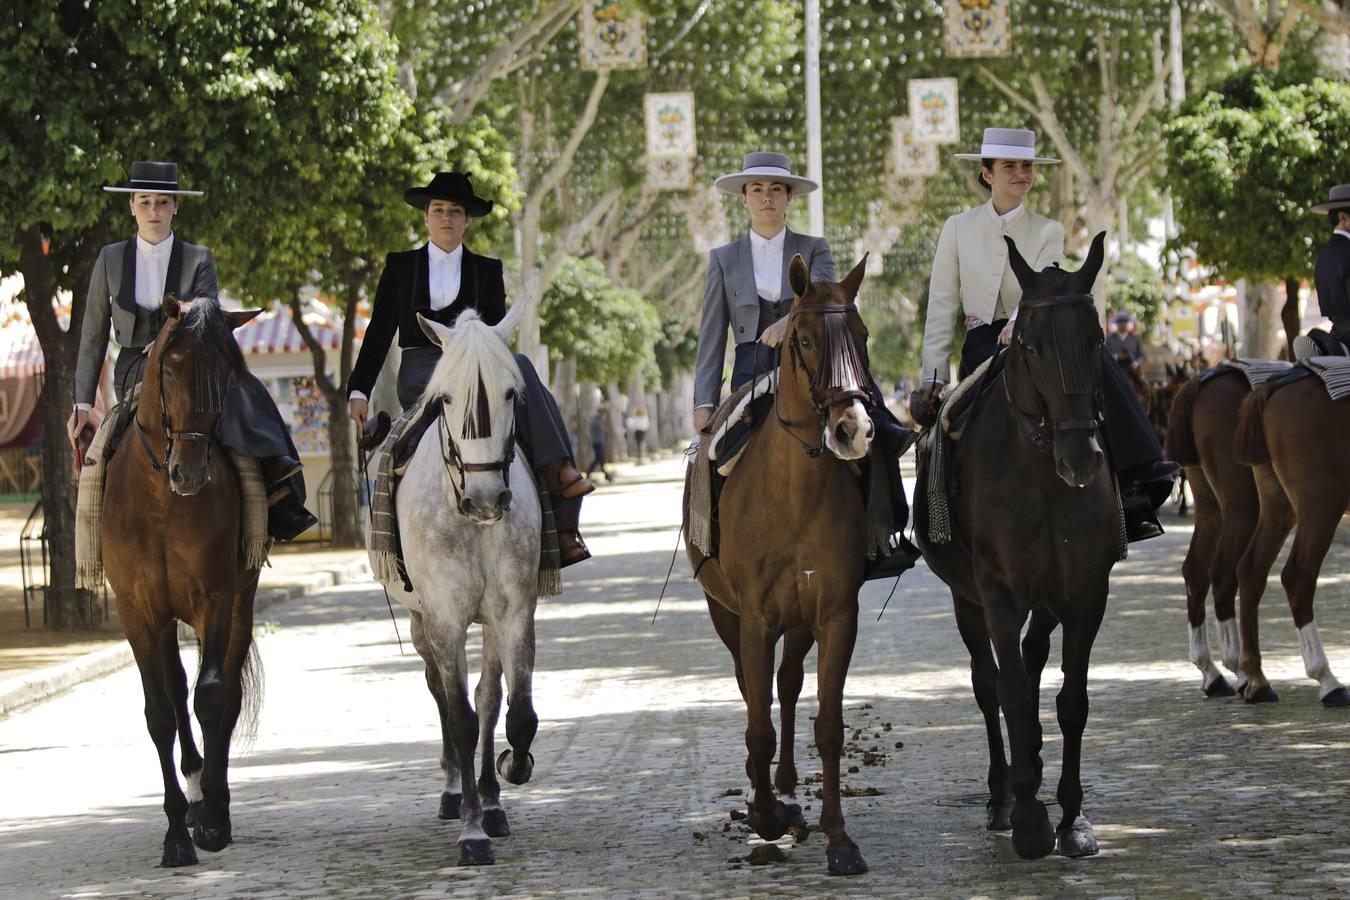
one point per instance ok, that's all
(1180, 426)
(1249, 442)
(251, 684)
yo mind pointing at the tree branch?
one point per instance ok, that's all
(661, 272)
(1009, 91)
(464, 97)
(1333, 18)
(570, 241)
(1143, 161)
(316, 350)
(1055, 129)
(563, 163)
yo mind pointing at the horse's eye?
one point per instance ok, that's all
(805, 342)
(510, 395)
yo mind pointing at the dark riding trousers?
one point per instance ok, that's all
(1126, 433)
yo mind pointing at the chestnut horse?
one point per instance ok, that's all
(1161, 397)
(1297, 441)
(171, 550)
(1036, 529)
(1200, 430)
(792, 539)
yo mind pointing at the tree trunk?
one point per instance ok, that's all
(587, 402)
(1260, 331)
(1291, 316)
(617, 443)
(343, 478)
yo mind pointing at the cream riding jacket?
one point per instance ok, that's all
(971, 274)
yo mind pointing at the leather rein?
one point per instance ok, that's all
(1038, 428)
(821, 406)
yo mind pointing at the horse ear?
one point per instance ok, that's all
(1025, 274)
(506, 328)
(172, 307)
(433, 330)
(853, 280)
(1086, 276)
(239, 317)
(799, 277)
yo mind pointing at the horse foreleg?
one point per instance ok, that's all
(516, 646)
(451, 795)
(487, 699)
(1312, 540)
(447, 642)
(217, 702)
(1075, 836)
(768, 816)
(984, 681)
(791, 673)
(175, 682)
(1272, 527)
(728, 627)
(1032, 837)
(1195, 572)
(159, 721)
(1035, 653)
(837, 637)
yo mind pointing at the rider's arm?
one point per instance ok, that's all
(93, 333)
(944, 303)
(379, 333)
(712, 336)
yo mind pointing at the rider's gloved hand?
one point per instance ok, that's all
(923, 404)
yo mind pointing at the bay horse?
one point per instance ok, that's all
(1201, 427)
(1031, 444)
(471, 548)
(792, 539)
(1297, 441)
(172, 553)
(1159, 406)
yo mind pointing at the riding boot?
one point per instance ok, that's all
(287, 517)
(1141, 521)
(901, 559)
(566, 521)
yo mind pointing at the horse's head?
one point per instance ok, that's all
(1054, 368)
(827, 343)
(476, 382)
(187, 372)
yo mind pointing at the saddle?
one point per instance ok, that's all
(1317, 343)
(1256, 371)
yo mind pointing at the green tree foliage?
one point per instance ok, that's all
(608, 330)
(1246, 160)
(1136, 287)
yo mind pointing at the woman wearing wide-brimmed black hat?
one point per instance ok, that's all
(127, 288)
(441, 279)
(1332, 274)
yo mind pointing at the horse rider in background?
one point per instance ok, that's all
(1332, 272)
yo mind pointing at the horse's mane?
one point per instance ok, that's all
(203, 321)
(475, 365)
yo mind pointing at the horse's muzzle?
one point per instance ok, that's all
(1077, 457)
(485, 513)
(850, 435)
(188, 480)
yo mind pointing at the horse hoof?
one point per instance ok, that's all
(212, 838)
(476, 853)
(845, 861)
(449, 805)
(998, 814)
(1036, 839)
(770, 829)
(1337, 699)
(1265, 694)
(1220, 687)
(193, 811)
(494, 823)
(515, 773)
(795, 819)
(178, 853)
(1076, 839)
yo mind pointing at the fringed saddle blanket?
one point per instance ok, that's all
(1256, 371)
(89, 506)
(386, 555)
(935, 444)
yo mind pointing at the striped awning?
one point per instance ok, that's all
(20, 352)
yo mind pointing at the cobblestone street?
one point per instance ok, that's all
(640, 742)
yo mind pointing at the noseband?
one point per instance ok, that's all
(457, 468)
(1038, 427)
(169, 433)
(818, 391)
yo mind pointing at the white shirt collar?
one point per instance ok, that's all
(1012, 214)
(774, 243)
(1342, 232)
(439, 256)
(164, 246)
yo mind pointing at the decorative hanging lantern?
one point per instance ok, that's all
(612, 36)
(910, 156)
(933, 110)
(977, 27)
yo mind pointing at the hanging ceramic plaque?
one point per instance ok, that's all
(670, 124)
(933, 110)
(612, 36)
(977, 27)
(911, 157)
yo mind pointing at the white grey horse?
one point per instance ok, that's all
(469, 518)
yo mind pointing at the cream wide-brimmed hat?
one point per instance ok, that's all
(1008, 143)
(765, 167)
(1339, 198)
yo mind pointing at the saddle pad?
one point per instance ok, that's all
(1256, 371)
(1334, 372)
(731, 411)
(952, 397)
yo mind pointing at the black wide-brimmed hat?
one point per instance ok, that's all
(1338, 199)
(152, 178)
(452, 186)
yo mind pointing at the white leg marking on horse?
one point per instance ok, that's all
(194, 787)
(452, 783)
(1228, 639)
(1201, 657)
(1315, 659)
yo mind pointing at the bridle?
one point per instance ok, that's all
(818, 391)
(169, 433)
(1038, 427)
(456, 467)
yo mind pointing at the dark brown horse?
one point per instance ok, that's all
(792, 537)
(1161, 397)
(1036, 529)
(1297, 441)
(172, 553)
(1200, 430)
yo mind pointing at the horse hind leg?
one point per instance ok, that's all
(1075, 837)
(1195, 572)
(159, 721)
(487, 700)
(1312, 540)
(984, 682)
(1273, 525)
(175, 683)
(791, 673)
(451, 793)
(836, 651)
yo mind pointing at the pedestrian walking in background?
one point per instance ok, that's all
(599, 428)
(638, 425)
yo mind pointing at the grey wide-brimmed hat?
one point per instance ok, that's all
(1338, 199)
(152, 178)
(1008, 143)
(765, 167)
